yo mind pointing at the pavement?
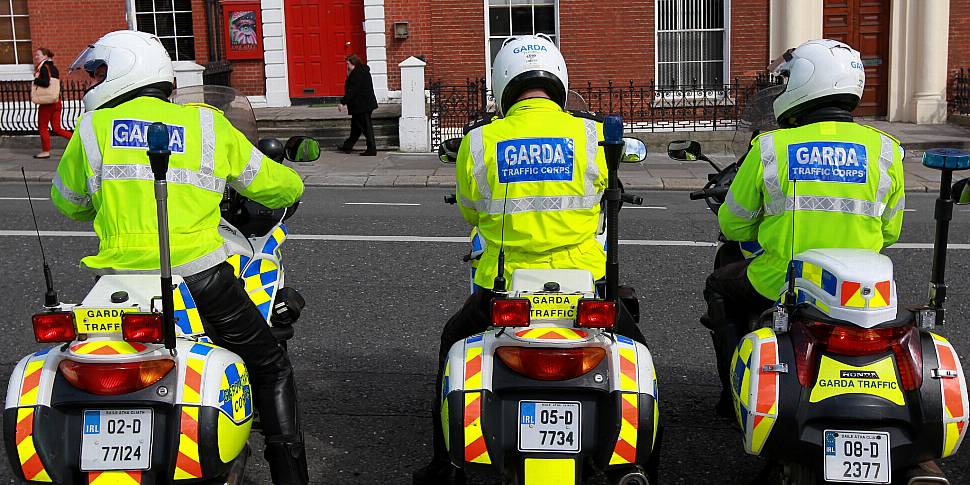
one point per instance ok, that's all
(366, 345)
(395, 169)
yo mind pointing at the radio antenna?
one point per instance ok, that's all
(50, 297)
(790, 290)
(499, 284)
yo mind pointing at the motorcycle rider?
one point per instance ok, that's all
(842, 181)
(104, 176)
(547, 165)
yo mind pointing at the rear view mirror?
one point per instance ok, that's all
(302, 149)
(684, 150)
(634, 150)
(961, 192)
(448, 150)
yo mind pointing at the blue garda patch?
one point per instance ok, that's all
(535, 159)
(828, 161)
(134, 134)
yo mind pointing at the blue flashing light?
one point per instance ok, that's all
(613, 129)
(947, 158)
(157, 137)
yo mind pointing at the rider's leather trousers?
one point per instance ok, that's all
(233, 322)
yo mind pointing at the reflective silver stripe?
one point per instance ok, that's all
(738, 210)
(249, 172)
(89, 140)
(769, 163)
(842, 205)
(71, 196)
(890, 212)
(174, 175)
(196, 266)
(885, 161)
(538, 204)
(477, 147)
(592, 168)
(207, 124)
(467, 203)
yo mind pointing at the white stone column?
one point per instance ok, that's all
(793, 22)
(187, 73)
(376, 43)
(274, 53)
(931, 62)
(413, 128)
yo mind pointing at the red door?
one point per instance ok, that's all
(319, 36)
(864, 25)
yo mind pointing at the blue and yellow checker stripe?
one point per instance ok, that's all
(238, 263)
(260, 281)
(187, 318)
(275, 240)
(235, 394)
(816, 275)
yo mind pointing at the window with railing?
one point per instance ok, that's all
(691, 42)
(15, 33)
(170, 20)
(507, 18)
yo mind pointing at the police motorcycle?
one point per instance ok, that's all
(826, 400)
(549, 394)
(132, 391)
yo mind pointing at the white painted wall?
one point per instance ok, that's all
(376, 44)
(918, 48)
(413, 128)
(274, 56)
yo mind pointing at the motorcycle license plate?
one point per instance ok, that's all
(550, 426)
(116, 439)
(857, 457)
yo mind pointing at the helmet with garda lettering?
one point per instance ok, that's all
(819, 73)
(525, 63)
(122, 62)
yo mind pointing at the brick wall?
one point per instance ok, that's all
(749, 37)
(959, 42)
(67, 26)
(458, 40)
(418, 16)
(248, 77)
(612, 42)
(200, 33)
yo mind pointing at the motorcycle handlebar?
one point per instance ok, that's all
(632, 199)
(451, 199)
(713, 192)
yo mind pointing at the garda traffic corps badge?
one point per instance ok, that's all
(134, 134)
(828, 161)
(535, 160)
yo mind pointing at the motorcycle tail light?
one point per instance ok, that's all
(812, 338)
(112, 379)
(142, 327)
(549, 364)
(596, 314)
(511, 312)
(54, 327)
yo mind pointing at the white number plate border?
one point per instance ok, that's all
(579, 426)
(837, 460)
(148, 451)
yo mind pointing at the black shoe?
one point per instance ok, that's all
(343, 148)
(369, 153)
(287, 462)
(438, 473)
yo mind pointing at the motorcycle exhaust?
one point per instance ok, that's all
(633, 477)
(926, 473)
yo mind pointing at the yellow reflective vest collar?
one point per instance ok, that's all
(497, 205)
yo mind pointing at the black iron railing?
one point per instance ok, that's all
(644, 107)
(18, 116)
(959, 92)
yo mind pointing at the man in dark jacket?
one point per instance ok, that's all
(361, 102)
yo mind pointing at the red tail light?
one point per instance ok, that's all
(112, 379)
(54, 327)
(142, 327)
(547, 364)
(511, 312)
(596, 314)
(812, 338)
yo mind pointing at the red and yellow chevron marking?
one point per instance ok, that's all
(767, 403)
(114, 478)
(955, 409)
(28, 390)
(475, 449)
(882, 297)
(851, 295)
(187, 463)
(192, 390)
(29, 460)
(473, 368)
(626, 444)
(108, 347)
(552, 333)
(628, 369)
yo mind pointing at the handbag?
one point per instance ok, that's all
(49, 95)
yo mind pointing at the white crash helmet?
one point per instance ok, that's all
(818, 72)
(133, 60)
(528, 62)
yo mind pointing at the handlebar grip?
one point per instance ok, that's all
(451, 199)
(718, 192)
(698, 195)
(632, 199)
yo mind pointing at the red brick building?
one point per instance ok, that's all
(910, 48)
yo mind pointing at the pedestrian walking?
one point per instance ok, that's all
(361, 102)
(46, 94)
